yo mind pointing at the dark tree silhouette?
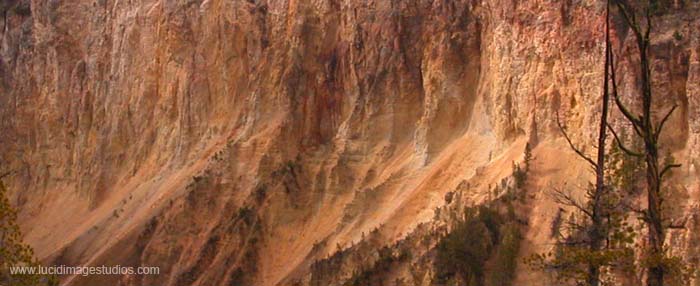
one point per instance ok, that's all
(13, 251)
(649, 130)
(596, 208)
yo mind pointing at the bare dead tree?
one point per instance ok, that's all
(649, 131)
(595, 209)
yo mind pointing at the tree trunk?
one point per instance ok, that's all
(656, 234)
(597, 234)
(653, 175)
(649, 133)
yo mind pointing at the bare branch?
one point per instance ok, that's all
(648, 30)
(573, 242)
(643, 215)
(571, 144)
(570, 225)
(565, 198)
(5, 174)
(622, 145)
(678, 225)
(668, 168)
(674, 226)
(663, 121)
(629, 18)
(625, 111)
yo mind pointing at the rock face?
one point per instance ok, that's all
(235, 142)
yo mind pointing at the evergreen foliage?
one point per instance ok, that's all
(638, 17)
(482, 235)
(505, 261)
(13, 251)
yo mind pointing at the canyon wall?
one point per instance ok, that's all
(234, 142)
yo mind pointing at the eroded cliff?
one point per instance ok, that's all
(238, 142)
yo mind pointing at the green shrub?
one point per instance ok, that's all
(482, 237)
(461, 254)
(678, 36)
(505, 260)
(13, 251)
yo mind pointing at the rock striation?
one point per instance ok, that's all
(235, 142)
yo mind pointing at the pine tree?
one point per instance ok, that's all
(586, 248)
(13, 251)
(528, 156)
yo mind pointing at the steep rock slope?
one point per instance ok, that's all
(239, 141)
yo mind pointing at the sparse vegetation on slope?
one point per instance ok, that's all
(483, 237)
(13, 251)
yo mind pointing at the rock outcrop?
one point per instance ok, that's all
(235, 142)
